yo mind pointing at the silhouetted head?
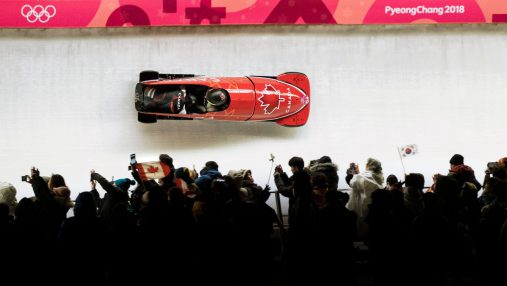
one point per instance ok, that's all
(457, 159)
(297, 162)
(56, 181)
(324, 159)
(319, 180)
(211, 165)
(392, 179)
(85, 205)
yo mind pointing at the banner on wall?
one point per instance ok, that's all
(128, 13)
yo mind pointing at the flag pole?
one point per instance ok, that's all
(272, 159)
(401, 160)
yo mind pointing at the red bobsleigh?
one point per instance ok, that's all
(284, 99)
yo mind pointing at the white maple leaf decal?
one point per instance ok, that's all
(270, 99)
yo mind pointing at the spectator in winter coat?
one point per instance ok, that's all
(327, 167)
(302, 217)
(207, 174)
(52, 211)
(413, 193)
(84, 236)
(114, 195)
(363, 184)
(60, 191)
(243, 179)
(461, 172)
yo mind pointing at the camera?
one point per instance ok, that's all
(352, 169)
(24, 178)
(133, 161)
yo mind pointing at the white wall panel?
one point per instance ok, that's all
(67, 97)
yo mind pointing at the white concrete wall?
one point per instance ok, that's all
(67, 98)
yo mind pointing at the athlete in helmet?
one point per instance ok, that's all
(217, 99)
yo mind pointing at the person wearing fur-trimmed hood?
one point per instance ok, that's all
(325, 165)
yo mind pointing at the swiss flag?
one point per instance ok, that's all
(153, 170)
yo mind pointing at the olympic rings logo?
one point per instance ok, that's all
(38, 13)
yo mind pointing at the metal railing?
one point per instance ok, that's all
(278, 204)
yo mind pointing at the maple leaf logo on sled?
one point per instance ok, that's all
(270, 99)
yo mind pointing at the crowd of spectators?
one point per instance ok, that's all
(206, 227)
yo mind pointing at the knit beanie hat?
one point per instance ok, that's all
(124, 183)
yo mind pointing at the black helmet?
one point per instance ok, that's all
(217, 97)
(177, 104)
